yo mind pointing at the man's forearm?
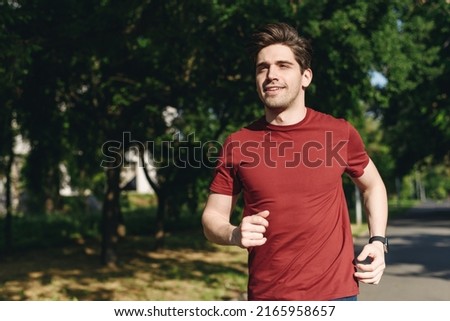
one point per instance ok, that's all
(218, 231)
(376, 207)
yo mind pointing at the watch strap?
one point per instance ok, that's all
(381, 239)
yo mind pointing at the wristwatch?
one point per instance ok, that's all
(383, 240)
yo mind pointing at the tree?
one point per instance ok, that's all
(14, 60)
(415, 62)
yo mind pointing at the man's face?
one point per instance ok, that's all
(279, 79)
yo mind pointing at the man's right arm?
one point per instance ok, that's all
(218, 229)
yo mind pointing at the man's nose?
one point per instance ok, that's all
(272, 73)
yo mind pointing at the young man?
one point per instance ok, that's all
(289, 167)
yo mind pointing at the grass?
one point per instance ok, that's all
(399, 207)
(396, 208)
(186, 269)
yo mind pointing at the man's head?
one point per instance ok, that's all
(282, 33)
(282, 60)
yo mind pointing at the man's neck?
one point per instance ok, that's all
(285, 116)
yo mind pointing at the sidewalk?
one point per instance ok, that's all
(418, 263)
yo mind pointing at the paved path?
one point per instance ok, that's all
(418, 264)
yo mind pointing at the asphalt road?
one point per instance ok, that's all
(418, 263)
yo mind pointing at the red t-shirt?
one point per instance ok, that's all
(295, 172)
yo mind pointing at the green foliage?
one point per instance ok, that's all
(416, 64)
(76, 223)
(437, 182)
(30, 232)
(435, 178)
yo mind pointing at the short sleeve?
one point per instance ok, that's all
(357, 157)
(225, 179)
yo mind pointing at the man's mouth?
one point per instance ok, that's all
(272, 89)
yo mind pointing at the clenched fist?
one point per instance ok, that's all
(251, 230)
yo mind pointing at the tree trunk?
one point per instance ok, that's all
(8, 218)
(111, 218)
(160, 215)
(162, 202)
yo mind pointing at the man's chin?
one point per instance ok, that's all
(273, 106)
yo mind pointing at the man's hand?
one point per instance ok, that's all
(370, 273)
(251, 230)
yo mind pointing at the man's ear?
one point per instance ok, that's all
(307, 77)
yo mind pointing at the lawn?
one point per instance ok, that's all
(185, 270)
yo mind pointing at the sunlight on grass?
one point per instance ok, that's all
(69, 273)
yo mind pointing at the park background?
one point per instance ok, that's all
(97, 95)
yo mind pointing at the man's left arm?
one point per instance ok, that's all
(376, 207)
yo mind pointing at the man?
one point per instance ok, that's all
(289, 167)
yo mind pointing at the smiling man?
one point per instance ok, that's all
(280, 82)
(288, 166)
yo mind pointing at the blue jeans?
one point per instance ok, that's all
(348, 298)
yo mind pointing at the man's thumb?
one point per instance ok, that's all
(263, 213)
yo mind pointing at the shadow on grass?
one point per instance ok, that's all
(187, 268)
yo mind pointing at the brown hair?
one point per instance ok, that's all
(284, 34)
